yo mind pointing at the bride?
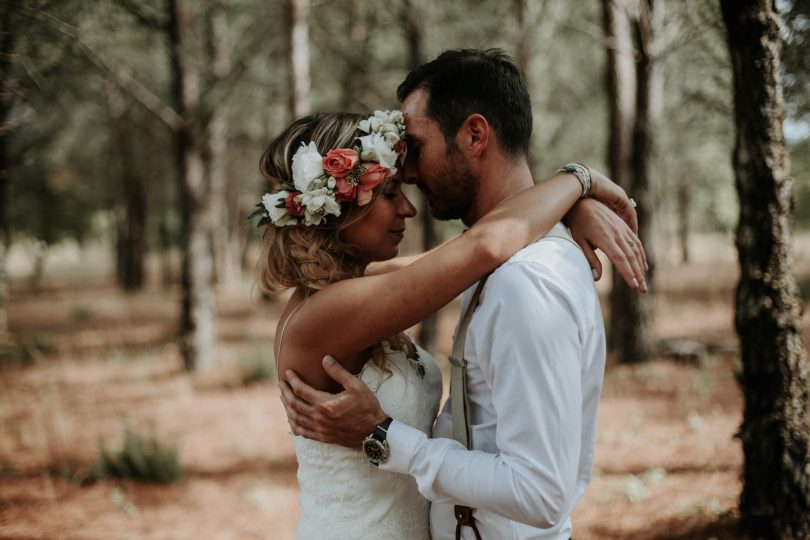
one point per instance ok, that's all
(338, 208)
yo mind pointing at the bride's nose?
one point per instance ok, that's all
(406, 208)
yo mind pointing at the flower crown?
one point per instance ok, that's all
(343, 175)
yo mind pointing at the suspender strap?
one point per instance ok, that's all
(461, 408)
(458, 391)
(458, 375)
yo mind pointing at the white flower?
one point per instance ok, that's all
(376, 148)
(279, 216)
(320, 201)
(391, 137)
(311, 218)
(331, 183)
(307, 165)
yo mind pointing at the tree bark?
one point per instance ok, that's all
(684, 204)
(198, 308)
(218, 67)
(6, 54)
(526, 15)
(355, 76)
(631, 314)
(297, 14)
(775, 433)
(413, 22)
(131, 242)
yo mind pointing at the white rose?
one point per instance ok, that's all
(279, 216)
(307, 165)
(391, 138)
(375, 148)
(320, 201)
(364, 126)
(331, 183)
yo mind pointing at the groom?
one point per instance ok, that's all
(535, 347)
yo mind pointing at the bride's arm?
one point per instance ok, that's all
(351, 315)
(397, 263)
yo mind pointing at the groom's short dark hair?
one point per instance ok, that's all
(462, 82)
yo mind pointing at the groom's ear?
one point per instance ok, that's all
(473, 135)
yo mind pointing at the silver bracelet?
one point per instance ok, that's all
(583, 174)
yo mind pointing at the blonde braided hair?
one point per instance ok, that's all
(310, 258)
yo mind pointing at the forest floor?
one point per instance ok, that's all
(93, 361)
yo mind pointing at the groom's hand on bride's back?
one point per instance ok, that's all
(344, 419)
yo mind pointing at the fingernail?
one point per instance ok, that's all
(288, 373)
(635, 283)
(328, 360)
(595, 275)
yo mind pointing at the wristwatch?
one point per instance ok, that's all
(375, 446)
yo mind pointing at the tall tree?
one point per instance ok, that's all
(297, 15)
(198, 304)
(217, 68)
(131, 223)
(775, 433)
(355, 75)
(631, 314)
(6, 93)
(412, 18)
(620, 81)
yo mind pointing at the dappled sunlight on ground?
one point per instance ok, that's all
(93, 362)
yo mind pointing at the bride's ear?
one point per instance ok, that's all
(473, 135)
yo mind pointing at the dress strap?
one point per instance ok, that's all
(284, 328)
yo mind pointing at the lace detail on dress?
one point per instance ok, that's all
(343, 496)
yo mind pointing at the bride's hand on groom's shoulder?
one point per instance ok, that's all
(345, 418)
(595, 226)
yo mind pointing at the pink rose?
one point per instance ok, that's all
(345, 191)
(339, 162)
(369, 179)
(293, 205)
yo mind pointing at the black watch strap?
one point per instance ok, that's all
(381, 431)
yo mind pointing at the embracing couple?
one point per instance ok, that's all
(511, 452)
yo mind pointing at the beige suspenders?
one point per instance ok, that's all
(458, 390)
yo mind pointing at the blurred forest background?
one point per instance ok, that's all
(130, 133)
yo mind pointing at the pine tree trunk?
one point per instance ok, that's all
(6, 54)
(413, 22)
(355, 76)
(217, 68)
(297, 14)
(525, 13)
(775, 433)
(131, 243)
(631, 313)
(198, 309)
(684, 204)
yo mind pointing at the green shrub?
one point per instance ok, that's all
(142, 459)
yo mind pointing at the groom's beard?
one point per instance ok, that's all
(459, 189)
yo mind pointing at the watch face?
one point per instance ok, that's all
(376, 451)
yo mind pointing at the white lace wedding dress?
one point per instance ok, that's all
(343, 496)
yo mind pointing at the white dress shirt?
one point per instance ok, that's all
(536, 354)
